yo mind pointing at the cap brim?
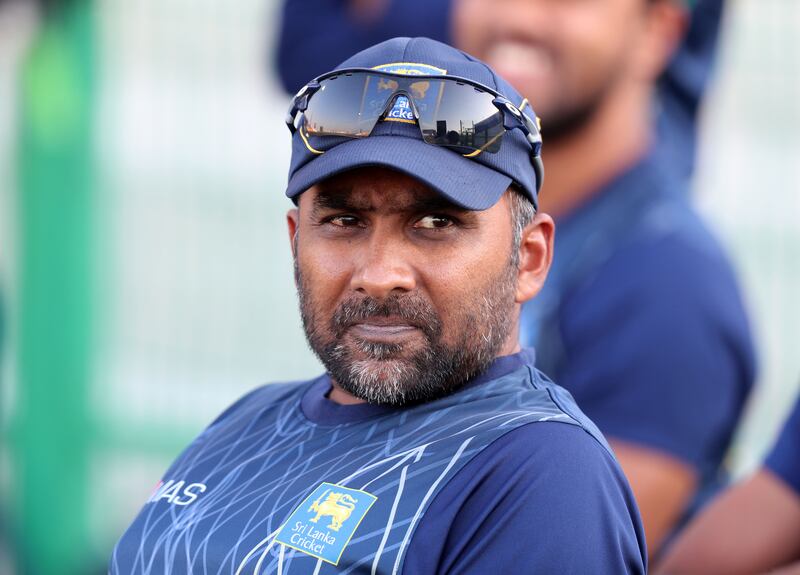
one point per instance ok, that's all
(464, 182)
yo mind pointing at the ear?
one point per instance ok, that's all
(665, 26)
(535, 256)
(293, 223)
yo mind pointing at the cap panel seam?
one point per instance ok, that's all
(405, 48)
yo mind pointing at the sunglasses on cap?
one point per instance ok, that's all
(451, 112)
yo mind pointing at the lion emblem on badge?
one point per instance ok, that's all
(337, 506)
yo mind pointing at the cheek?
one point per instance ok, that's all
(457, 285)
(325, 276)
(593, 35)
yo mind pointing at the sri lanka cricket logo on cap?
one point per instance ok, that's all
(401, 109)
(324, 523)
(411, 69)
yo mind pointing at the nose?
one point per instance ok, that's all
(384, 267)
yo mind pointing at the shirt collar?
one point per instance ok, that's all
(317, 408)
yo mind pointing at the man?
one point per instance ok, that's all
(641, 318)
(754, 527)
(432, 444)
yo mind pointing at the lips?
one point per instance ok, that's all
(383, 329)
(386, 321)
(391, 320)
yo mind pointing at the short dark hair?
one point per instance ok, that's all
(522, 213)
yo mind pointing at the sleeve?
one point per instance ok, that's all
(317, 35)
(659, 350)
(544, 498)
(784, 459)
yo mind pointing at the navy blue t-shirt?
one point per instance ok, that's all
(642, 321)
(504, 476)
(784, 459)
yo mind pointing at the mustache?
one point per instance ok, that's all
(411, 308)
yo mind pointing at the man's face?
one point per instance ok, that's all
(566, 56)
(404, 296)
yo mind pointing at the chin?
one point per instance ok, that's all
(388, 372)
(385, 382)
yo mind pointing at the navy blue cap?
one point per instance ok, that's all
(475, 183)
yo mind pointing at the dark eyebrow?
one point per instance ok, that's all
(339, 199)
(436, 204)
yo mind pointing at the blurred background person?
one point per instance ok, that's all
(641, 318)
(144, 298)
(754, 527)
(341, 27)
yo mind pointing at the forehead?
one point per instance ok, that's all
(375, 189)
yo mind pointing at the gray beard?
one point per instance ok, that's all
(386, 376)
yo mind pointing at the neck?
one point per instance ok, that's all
(612, 140)
(340, 396)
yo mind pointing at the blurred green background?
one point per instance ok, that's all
(145, 273)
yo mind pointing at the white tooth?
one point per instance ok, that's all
(518, 57)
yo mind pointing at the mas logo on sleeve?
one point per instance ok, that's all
(324, 523)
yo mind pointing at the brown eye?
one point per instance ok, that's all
(434, 222)
(344, 221)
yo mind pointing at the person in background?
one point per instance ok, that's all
(754, 527)
(641, 318)
(342, 27)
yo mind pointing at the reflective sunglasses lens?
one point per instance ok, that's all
(346, 105)
(459, 116)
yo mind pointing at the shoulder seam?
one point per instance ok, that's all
(577, 420)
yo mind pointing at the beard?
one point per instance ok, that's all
(397, 374)
(575, 96)
(570, 115)
(566, 122)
